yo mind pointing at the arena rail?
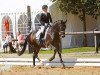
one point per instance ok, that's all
(80, 33)
(96, 33)
(71, 62)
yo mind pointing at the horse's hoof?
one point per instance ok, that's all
(32, 66)
(18, 54)
(37, 67)
(63, 67)
(41, 63)
(50, 59)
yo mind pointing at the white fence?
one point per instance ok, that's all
(55, 63)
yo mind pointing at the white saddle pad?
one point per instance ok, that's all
(39, 32)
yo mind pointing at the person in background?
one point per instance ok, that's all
(12, 36)
(5, 45)
(9, 41)
(20, 39)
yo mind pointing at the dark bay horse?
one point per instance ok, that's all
(54, 35)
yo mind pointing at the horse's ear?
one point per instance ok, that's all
(65, 20)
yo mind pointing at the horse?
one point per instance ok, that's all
(53, 37)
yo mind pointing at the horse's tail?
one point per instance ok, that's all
(24, 48)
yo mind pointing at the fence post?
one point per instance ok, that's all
(96, 41)
(29, 25)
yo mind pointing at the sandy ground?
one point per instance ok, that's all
(47, 56)
(27, 70)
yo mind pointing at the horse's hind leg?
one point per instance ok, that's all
(35, 55)
(53, 55)
(38, 58)
(61, 59)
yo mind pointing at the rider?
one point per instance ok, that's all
(45, 20)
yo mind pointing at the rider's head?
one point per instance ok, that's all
(45, 8)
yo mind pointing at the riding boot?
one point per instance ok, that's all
(41, 39)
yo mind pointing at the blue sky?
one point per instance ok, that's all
(8, 6)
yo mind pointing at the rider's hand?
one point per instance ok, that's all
(51, 24)
(46, 24)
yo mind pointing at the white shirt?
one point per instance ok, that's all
(45, 13)
(8, 38)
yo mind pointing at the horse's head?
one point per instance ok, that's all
(60, 27)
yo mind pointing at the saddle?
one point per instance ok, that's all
(41, 40)
(41, 35)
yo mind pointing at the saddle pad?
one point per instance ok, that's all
(38, 34)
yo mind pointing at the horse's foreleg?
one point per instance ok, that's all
(34, 56)
(53, 55)
(61, 59)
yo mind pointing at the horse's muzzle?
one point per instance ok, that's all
(62, 34)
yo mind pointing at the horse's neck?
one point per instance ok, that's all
(50, 31)
(53, 34)
(55, 29)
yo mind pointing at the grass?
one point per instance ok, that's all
(70, 50)
(67, 50)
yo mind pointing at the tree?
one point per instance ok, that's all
(81, 7)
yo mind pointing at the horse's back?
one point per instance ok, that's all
(32, 37)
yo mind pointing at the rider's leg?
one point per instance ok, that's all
(38, 33)
(42, 28)
(42, 34)
(46, 29)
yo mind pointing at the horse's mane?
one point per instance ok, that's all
(58, 21)
(55, 24)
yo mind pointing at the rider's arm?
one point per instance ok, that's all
(41, 19)
(50, 18)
